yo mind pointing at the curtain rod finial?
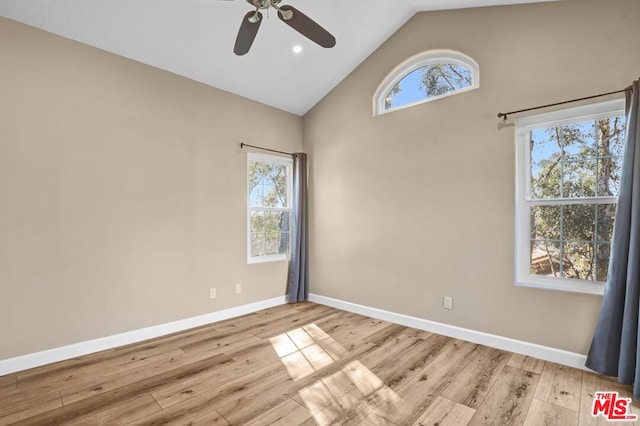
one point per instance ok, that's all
(502, 115)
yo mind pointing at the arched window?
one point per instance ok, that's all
(424, 77)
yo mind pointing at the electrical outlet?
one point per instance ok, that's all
(447, 302)
(238, 288)
(212, 293)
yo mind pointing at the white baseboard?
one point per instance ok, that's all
(546, 353)
(24, 362)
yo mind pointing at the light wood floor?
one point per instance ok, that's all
(302, 364)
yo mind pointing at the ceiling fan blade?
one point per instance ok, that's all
(306, 26)
(247, 32)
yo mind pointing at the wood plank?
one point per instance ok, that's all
(509, 398)
(96, 403)
(8, 382)
(203, 416)
(270, 328)
(391, 332)
(560, 385)
(99, 385)
(34, 405)
(360, 328)
(182, 390)
(87, 369)
(338, 322)
(547, 414)
(415, 358)
(218, 342)
(287, 413)
(473, 383)
(260, 382)
(210, 419)
(261, 352)
(525, 362)
(411, 400)
(444, 412)
(248, 321)
(122, 413)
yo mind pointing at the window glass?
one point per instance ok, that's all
(427, 82)
(567, 204)
(425, 77)
(269, 191)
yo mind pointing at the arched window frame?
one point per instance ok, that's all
(420, 60)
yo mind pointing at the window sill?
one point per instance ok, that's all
(559, 284)
(267, 259)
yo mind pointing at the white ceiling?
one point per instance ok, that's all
(195, 38)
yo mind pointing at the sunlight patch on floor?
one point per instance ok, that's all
(350, 394)
(306, 349)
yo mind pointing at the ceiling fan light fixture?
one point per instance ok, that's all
(285, 14)
(254, 18)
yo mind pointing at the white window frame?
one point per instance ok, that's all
(272, 159)
(429, 57)
(524, 126)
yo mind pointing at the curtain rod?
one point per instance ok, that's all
(504, 115)
(242, 145)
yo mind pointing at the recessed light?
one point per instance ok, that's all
(297, 48)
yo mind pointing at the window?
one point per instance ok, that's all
(269, 207)
(427, 76)
(568, 173)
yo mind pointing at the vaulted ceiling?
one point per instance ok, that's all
(195, 38)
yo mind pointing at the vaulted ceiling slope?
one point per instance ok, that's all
(195, 38)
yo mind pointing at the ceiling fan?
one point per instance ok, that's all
(289, 15)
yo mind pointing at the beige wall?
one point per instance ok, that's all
(122, 193)
(418, 204)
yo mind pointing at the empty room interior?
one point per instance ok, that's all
(321, 222)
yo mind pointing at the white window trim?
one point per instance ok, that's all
(418, 61)
(524, 126)
(274, 159)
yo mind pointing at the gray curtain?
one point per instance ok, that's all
(614, 350)
(298, 285)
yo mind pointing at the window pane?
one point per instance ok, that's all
(545, 258)
(257, 221)
(427, 82)
(579, 179)
(577, 261)
(407, 91)
(610, 135)
(267, 184)
(606, 216)
(578, 140)
(578, 222)
(272, 242)
(438, 79)
(604, 251)
(545, 163)
(545, 222)
(257, 244)
(609, 170)
(269, 233)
